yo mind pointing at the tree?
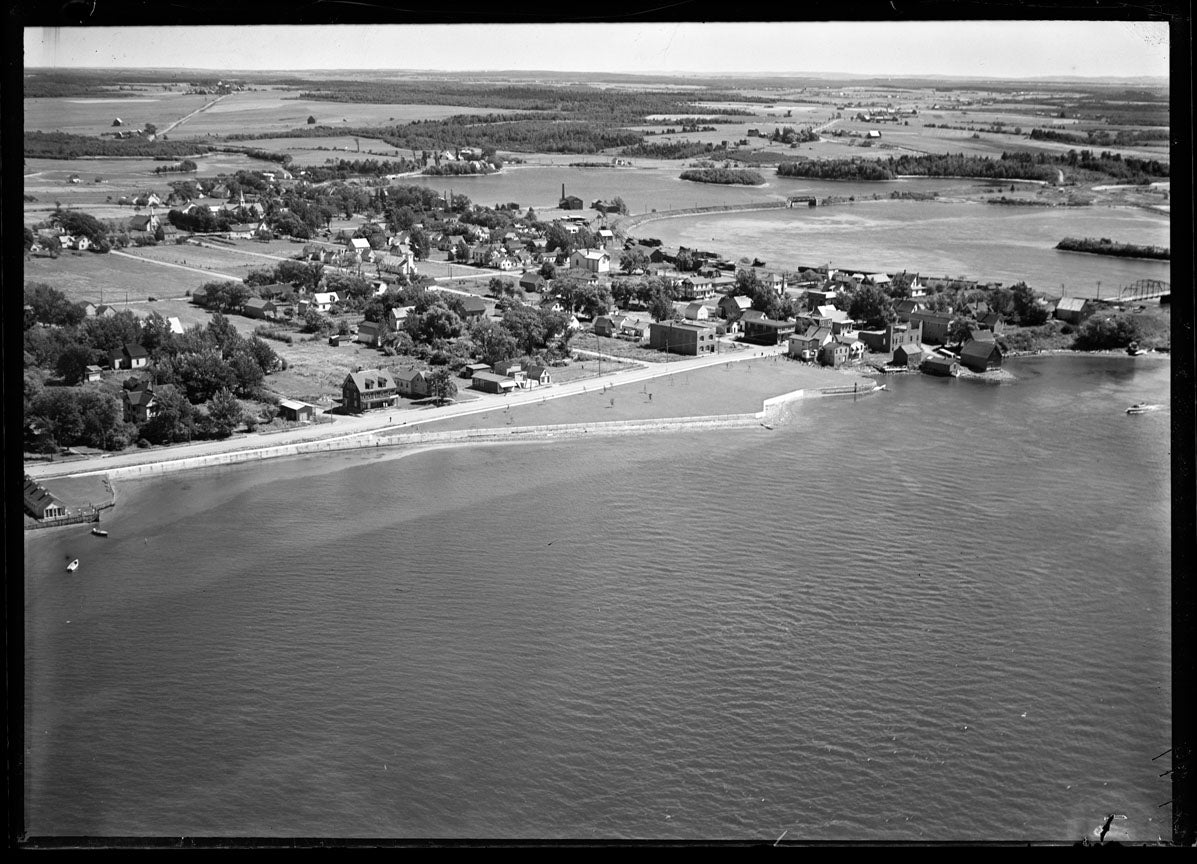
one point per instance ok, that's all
(73, 362)
(959, 329)
(633, 259)
(660, 307)
(558, 239)
(224, 413)
(872, 306)
(441, 385)
(202, 375)
(173, 422)
(51, 306)
(421, 246)
(311, 119)
(1101, 332)
(492, 342)
(75, 222)
(548, 270)
(1028, 312)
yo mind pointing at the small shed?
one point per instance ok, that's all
(290, 409)
(334, 341)
(92, 373)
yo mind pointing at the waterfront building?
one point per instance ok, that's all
(682, 337)
(981, 356)
(908, 355)
(833, 354)
(368, 389)
(40, 503)
(1073, 310)
(887, 340)
(767, 331)
(934, 325)
(942, 366)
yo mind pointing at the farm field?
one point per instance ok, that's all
(91, 116)
(279, 111)
(314, 151)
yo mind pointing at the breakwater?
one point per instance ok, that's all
(772, 410)
(630, 222)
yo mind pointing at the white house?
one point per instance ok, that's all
(594, 260)
(323, 301)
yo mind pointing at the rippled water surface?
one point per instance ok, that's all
(940, 612)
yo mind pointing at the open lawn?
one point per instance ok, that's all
(90, 116)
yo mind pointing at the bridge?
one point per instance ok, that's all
(1145, 289)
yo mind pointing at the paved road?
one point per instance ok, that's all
(384, 421)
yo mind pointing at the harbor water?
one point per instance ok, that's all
(939, 612)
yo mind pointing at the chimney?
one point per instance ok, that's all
(563, 191)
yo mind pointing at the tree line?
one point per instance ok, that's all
(63, 145)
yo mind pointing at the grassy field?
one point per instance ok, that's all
(91, 116)
(81, 275)
(230, 261)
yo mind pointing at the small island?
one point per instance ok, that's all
(724, 176)
(1106, 246)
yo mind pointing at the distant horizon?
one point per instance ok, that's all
(681, 73)
(996, 50)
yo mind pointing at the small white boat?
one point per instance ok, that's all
(99, 532)
(1139, 408)
(73, 566)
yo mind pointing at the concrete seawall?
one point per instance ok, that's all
(772, 409)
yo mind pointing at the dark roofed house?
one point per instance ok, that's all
(368, 389)
(532, 281)
(981, 356)
(129, 356)
(474, 307)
